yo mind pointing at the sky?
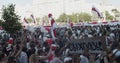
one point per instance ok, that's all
(17, 2)
(22, 5)
(115, 3)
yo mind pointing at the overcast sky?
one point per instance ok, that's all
(23, 5)
(115, 3)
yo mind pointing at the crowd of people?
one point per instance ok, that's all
(25, 46)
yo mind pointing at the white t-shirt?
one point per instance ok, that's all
(83, 59)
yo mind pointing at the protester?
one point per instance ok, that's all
(35, 47)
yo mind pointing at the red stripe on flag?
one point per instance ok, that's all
(114, 21)
(104, 22)
(93, 22)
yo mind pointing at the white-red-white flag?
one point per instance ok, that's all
(33, 18)
(96, 11)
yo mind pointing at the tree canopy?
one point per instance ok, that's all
(116, 13)
(10, 19)
(75, 17)
(109, 16)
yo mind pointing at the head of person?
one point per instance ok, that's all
(32, 45)
(49, 15)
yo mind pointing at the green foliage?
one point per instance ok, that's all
(85, 17)
(10, 19)
(37, 19)
(45, 18)
(75, 17)
(29, 20)
(108, 16)
(116, 12)
(62, 18)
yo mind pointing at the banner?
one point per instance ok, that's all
(94, 45)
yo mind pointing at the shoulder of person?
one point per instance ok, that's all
(57, 60)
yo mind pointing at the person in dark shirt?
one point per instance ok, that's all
(31, 50)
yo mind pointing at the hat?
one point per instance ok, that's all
(49, 15)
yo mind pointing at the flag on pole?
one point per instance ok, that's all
(53, 26)
(95, 10)
(25, 20)
(33, 19)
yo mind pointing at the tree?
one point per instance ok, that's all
(116, 13)
(38, 19)
(62, 18)
(29, 20)
(75, 17)
(10, 19)
(85, 17)
(108, 16)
